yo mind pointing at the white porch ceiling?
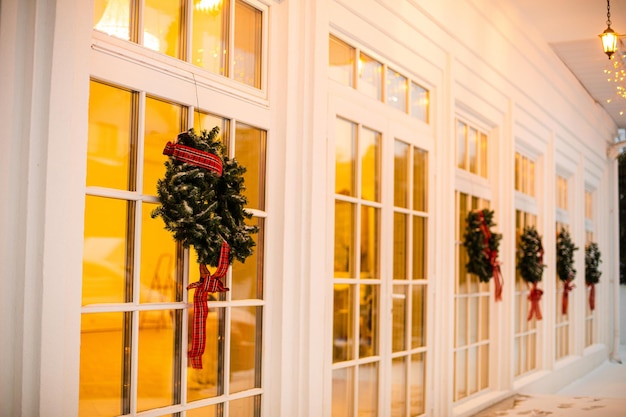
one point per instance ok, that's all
(571, 28)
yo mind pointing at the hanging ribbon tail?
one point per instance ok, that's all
(206, 285)
(535, 298)
(567, 287)
(592, 297)
(497, 278)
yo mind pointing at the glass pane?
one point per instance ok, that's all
(461, 151)
(472, 147)
(245, 348)
(370, 164)
(368, 320)
(158, 261)
(399, 311)
(250, 145)
(209, 381)
(398, 387)
(204, 121)
(163, 124)
(420, 179)
(460, 374)
(401, 174)
(105, 251)
(484, 318)
(461, 321)
(345, 159)
(210, 411)
(484, 366)
(370, 217)
(245, 407)
(368, 390)
(209, 36)
(473, 319)
(109, 142)
(370, 77)
(112, 17)
(344, 239)
(400, 246)
(343, 393)
(343, 322)
(420, 101)
(157, 358)
(162, 26)
(418, 383)
(247, 277)
(484, 156)
(418, 317)
(101, 364)
(248, 33)
(524, 175)
(396, 90)
(472, 372)
(419, 248)
(531, 178)
(341, 57)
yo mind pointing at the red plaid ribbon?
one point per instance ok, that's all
(194, 157)
(592, 297)
(535, 297)
(567, 287)
(207, 284)
(492, 255)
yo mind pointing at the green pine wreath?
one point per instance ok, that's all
(530, 256)
(481, 243)
(592, 264)
(203, 209)
(565, 249)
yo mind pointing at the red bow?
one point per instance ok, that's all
(535, 297)
(492, 255)
(567, 287)
(592, 296)
(207, 284)
(194, 156)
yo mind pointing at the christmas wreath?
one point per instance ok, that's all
(592, 271)
(565, 270)
(203, 206)
(530, 265)
(482, 248)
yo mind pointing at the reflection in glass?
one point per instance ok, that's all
(396, 90)
(101, 360)
(400, 243)
(210, 411)
(109, 138)
(368, 390)
(344, 241)
(343, 392)
(418, 318)
(420, 179)
(209, 381)
(399, 310)
(158, 260)
(341, 57)
(343, 323)
(106, 273)
(157, 358)
(420, 102)
(369, 245)
(369, 148)
(162, 26)
(484, 156)
(209, 38)
(370, 77)
(472, 150)
(398, 387)
(345, 163)
(247, 52)
(112, 17)
(461, 146)
(250, 146)
(368, 320)
(418, 383)
(401, 174)
(247, 277)
(419, 247)
(245, 348)
(164, 122)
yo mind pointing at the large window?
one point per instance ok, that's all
(590, 319)
(409, 355)
(135, 316)
(471, 312)
(562, 322)
(224, 37)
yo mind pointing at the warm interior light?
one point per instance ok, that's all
(609, 41)
(208, 5)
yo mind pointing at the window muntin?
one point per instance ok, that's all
(134, 301)
(472, 310)
(409, 297)
(525, 331)
(224, 37)
(471, 149)
(399, 91)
